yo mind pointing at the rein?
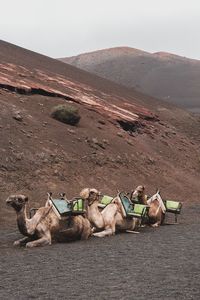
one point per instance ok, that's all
(90, 203)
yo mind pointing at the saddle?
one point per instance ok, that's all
(173, 207)
(133, 210)
(105, 200)
(64, 208)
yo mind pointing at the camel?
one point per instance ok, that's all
(139, 195)
(45, 226)
(156, 212)
(111, 219)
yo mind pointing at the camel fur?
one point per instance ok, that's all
(45, 227)
(111, 219)
(156, 213)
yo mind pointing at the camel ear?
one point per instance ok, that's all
(143, 187)
(26, 199)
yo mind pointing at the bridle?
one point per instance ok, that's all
(90, 202)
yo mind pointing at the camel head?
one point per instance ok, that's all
(139, 192)
(17, 201)
(91, 195)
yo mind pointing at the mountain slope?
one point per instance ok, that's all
(124, 138)
(163, 75)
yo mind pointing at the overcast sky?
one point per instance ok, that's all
(61, 28)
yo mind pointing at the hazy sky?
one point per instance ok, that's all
(60, 28)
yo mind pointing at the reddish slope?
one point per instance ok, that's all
(163, 75)
(110, 149)
(24, 81)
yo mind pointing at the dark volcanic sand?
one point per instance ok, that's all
(161, 263)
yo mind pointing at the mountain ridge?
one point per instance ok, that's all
(163, 75)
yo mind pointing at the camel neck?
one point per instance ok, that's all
(21, 221)
(94, 215)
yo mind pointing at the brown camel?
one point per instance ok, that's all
(45, 226)
(156, 213)
(111, 219)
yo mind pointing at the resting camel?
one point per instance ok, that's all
(45, 226)
(111, 219)
(157, 208)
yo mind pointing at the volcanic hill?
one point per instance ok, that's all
(124, 138)
(163, 75)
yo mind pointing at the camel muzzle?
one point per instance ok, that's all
(8, 202)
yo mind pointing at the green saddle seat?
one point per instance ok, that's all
(78, 206)
(132, 210)
(173, 206)
(139, 210)
(105, 201)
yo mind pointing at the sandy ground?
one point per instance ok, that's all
(161, 263)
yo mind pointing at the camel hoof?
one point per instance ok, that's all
(154, 225)
(31, 232)
(29, 245)
(16, 243)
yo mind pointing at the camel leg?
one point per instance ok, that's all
(31, 228)
(93, 229)
(86, 233)
(158, 223)
(155, 224)
(40, 242)
(37, 218)
(109, 230)
(106, 232)
(87, 230)
(22, 241)
(44, 240)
